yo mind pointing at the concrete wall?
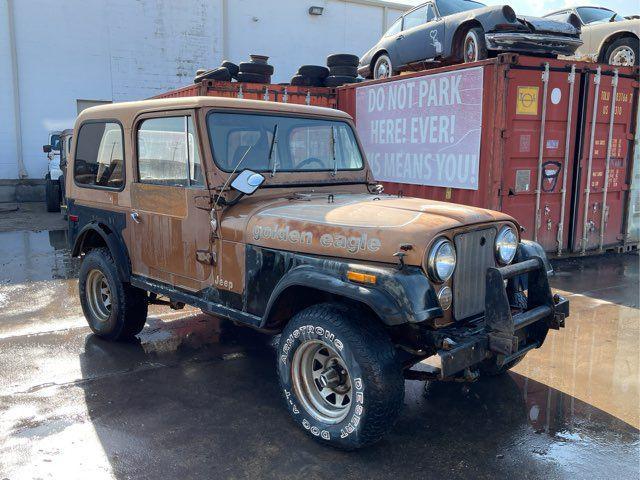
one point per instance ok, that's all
(116, 50)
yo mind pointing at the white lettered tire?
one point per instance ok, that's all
(339, 375)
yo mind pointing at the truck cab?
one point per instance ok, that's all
(267, 214)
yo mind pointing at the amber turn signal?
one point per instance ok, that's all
(361, 277)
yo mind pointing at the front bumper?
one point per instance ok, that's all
(532, 43)
(364, 70)
(505, 333)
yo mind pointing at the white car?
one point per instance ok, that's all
(607, 36)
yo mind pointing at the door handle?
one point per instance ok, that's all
(400, 37)
(135, 216)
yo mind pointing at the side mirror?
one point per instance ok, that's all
(247, 182)
(46, 148)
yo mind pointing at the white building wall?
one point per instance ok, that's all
(116, 50)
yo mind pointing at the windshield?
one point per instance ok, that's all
(449, 7)
(595, 15)
(302, 145)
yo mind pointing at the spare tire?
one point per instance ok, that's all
(253, 77)
(348, 71)
(304, 81)
(342, 60)
(337, 80)
(259, 68)
(232, 67)
(315, 71)
(220, 73)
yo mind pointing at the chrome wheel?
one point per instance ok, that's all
(470, 47)
(321, 381)
(98, 295)
(623, 56)
(382, 68)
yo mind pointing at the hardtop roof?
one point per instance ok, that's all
(129, 110)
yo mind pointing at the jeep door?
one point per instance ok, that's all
(421, 37)
(170, 222)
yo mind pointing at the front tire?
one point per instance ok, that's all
(474, 46)
(382, 67)
(623, 52)
(339, 375)
(114, 310)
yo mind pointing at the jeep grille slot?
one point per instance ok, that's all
(475, 251)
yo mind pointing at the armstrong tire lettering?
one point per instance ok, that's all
(363, 346)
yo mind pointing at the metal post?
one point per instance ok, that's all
(545, 87)
(17, 111)
(612, 114)
(587, 191)
(565, 169)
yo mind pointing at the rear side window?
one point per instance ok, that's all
(99, 160)
(168, 153)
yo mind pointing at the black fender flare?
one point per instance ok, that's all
(528, 249)
(387, 299)
(114, 243)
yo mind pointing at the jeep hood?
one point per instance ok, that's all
(358, 226)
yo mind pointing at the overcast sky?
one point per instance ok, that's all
(540, 7)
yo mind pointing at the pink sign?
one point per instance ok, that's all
(424, 130)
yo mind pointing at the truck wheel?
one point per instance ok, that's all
(474, 46)
(115, 310)
(339, 375)
(52, 194)
(623, 52)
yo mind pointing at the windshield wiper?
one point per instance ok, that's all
(274, 142)
(333, 150)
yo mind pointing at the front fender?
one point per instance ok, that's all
(398, 296)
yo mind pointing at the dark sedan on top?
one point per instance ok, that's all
(453, 31)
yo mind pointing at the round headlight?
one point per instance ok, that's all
(442, 260)
(506, 245)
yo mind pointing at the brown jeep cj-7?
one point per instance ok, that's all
(267, 214)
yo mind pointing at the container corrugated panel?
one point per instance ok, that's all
(316, 96)
(600, 216)
(633, 216)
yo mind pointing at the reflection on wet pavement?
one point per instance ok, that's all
(198, 397)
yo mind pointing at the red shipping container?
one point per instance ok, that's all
(531, 134)
(317, 96)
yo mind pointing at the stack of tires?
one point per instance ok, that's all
(255, 71)
(310, 76)
(343, 68)
(224, 73)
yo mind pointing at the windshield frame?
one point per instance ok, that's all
(328, 171)
(613, 14)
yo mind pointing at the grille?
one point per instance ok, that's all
(475, 252)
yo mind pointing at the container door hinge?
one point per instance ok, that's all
(206, 257)
(505, 133)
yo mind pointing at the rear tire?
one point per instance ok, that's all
(474, 46)
(341, 380)
(623, 52)
(382, 68)
(115, 310)
(52, 194)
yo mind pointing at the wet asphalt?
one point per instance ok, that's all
(196, 397)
